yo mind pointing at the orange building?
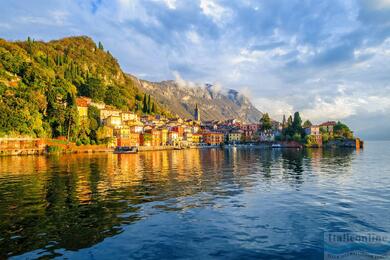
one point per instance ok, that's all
(213, 138)
(133, 139)
(151, 138)
(179, 130)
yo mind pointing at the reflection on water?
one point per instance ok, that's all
(57, 205)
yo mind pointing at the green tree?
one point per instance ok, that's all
(289, 121)
(149, 105)
(341, 130)
(145, 104)
(297, 137)
(93, 88)
(101, 46)
(94, 122)
(297, 123)
(115, 97)
(307, 123)
(104, 134)
(265, 122)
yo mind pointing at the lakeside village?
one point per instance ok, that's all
(119, 129)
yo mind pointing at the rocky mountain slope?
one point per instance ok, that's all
(214, 104)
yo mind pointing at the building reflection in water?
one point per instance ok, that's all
(75, 201)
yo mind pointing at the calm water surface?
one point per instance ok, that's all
(211, 203)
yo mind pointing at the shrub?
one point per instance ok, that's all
(85, 141)
(297, 137)
(78, 142)
(54, 149)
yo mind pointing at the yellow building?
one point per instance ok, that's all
(123, 132)
(82, 107)
(105, 113)
(188, 137)
(164, 136)
(234, 137)
(83, 112)
(113, 121)
(127, 116)
(197, 138)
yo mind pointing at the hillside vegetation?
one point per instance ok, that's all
(40, 81)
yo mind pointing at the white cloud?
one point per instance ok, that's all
(276, 107)
(193, 37)
(338, 108)
(218, 13)
(182, 82)
(379, 4)
(270, 51)
(170, 3)
(59, 17)
(133, 10)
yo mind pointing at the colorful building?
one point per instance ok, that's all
(314, 131)
(164, 136)
(179, 129)
(105, 113)
(173, 138)
(197, 138)
(234, 137)
(122, 132)
(151, 138)
(82, 107)
(128, 116)
(188, 137)
(328, 126)
(213, 138)
(113, 121)
(133, 139)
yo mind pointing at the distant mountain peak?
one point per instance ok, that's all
(214, 102)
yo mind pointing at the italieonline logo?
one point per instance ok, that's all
(353, 245)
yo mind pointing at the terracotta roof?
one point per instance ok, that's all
(329, 123)
(82, 102)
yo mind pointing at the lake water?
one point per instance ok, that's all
(211, 203)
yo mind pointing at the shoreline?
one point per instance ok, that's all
(91, 149)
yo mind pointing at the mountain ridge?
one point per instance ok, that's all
(214, 103)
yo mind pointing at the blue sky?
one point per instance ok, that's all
(328, 59)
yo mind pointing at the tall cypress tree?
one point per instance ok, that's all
(297, 123)
(149, 104)
(101, 46)
(145, 104)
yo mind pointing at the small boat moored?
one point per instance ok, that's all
(125, 149)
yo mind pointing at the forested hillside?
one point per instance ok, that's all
(40, 81)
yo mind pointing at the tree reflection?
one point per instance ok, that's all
(76, 201)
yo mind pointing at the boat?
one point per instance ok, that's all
(276, 146)
(178, 148)
(125, 149)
